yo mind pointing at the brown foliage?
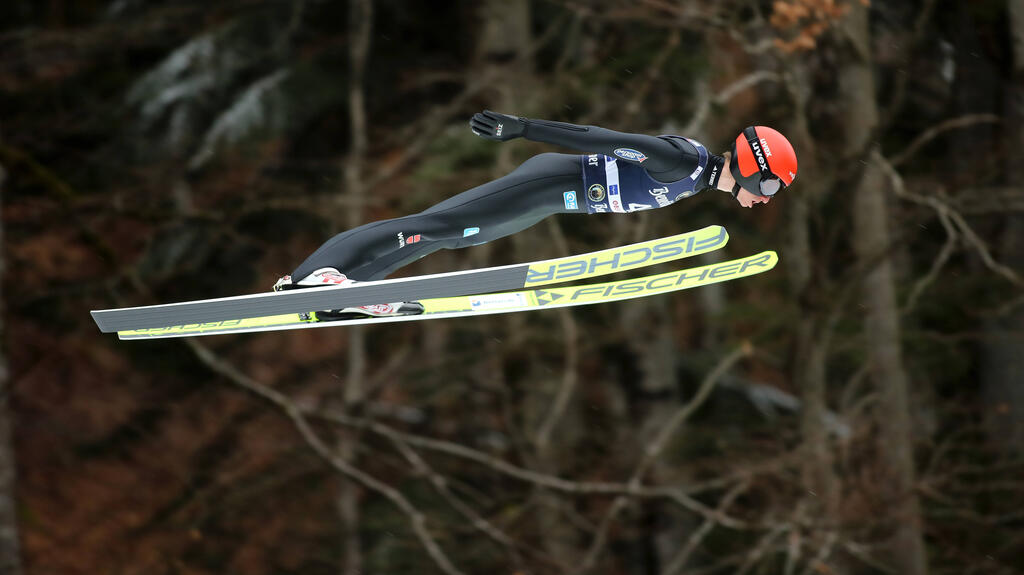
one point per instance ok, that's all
(801, 22)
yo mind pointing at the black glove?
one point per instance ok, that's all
(495, 126)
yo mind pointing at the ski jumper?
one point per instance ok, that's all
(619, 173)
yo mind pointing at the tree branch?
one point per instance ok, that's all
(763, 546)
(633, 106)
(941, 207)
(939, 129)
(290, 410)
(924, 15)
(725, 95)
(569, 371)
(676, 564)
(654, 449)
(676, 495)
(940, 262)
(440, 484)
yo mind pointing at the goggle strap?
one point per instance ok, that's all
(754, 142)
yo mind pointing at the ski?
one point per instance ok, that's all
(493, 303)
(502, 278)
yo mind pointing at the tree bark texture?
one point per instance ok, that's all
(882, 337)
(1002, 368)
(10, 553)
(359, 30)
(505, 34)
(881, 313)
(810, 345)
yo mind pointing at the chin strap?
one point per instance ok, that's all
(735, 190)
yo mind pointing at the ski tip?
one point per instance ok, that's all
(719, 234)
(771, 258)
(98, 317)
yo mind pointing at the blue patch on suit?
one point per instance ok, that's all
(570, 200)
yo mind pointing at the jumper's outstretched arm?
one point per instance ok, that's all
(658, 155)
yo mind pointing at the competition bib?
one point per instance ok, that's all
(621, 187)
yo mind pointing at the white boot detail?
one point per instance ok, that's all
(333, 277)
(325, 276)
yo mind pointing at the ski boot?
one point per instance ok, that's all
(332, 277)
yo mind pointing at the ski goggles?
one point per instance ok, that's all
(770, 187)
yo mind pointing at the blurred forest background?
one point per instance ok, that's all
(859, 410)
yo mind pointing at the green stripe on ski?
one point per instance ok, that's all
(508, 302)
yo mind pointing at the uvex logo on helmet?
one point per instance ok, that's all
(761, 160)
(762, 154)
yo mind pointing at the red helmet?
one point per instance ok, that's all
(764, 161)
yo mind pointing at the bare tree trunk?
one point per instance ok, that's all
(872, 240)
(882, 334)
(1002, 364)
(505, 34)
(809, 365)
(360, 26)
(10, 562)
(811, 344)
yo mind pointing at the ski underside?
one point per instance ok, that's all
(493, 303)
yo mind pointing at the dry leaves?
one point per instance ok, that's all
(801, 22)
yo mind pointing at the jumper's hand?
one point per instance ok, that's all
(495, 126)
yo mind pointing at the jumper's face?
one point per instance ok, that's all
(747, 199)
